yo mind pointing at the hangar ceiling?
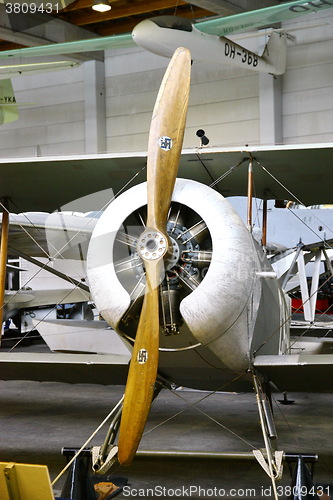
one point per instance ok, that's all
(78, 21)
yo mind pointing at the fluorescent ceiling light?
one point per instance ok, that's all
(101, 6)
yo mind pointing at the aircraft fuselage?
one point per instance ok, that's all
(162, 35)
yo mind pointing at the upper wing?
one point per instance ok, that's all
(302, 173)
(70, 368)
(57, 235)
(47, 184)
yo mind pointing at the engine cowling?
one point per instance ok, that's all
(212, 289)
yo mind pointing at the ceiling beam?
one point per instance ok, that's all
(119, 11)
(229, 7)
(40, 29)
(85, 4)
(78, 5)
(9, 45)
(43, 30)
(128, 25)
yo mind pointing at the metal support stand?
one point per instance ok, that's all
(78, 485)
(285, 400)
(3, 261)
(302, 485)
(81, 484)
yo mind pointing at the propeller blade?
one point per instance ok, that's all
(166, 137)
(164, 149)
(141, 376)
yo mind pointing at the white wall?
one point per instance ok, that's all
(308, 82)
(54, 123)
(231, 105)
(223, 101)
(37, 278)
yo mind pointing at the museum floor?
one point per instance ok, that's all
(38, 419)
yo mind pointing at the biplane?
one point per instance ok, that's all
(174, 270)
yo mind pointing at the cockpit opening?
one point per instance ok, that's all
(173, 22)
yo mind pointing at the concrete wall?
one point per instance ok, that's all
(308, 83)
(54, 123)
(74, 113)
(223, 101)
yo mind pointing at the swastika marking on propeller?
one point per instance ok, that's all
(142, 356)
(165, 143)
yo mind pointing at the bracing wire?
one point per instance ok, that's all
(194, 405)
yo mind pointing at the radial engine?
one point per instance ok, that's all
(217, 307)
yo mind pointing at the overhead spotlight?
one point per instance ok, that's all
(203, 138)
(101, 5)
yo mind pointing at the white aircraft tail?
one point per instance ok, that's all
(8, 107)
(275, 52)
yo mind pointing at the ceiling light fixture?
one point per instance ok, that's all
(101, 5)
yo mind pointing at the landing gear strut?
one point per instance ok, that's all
(302, 486)
(105, 456)
(272, 464)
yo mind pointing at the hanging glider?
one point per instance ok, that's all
(205, 39)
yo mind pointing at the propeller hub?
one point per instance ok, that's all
(174, 254)
(152, 245)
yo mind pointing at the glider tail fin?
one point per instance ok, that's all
(275, 52)
(8, 108)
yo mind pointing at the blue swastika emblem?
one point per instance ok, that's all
(165, 143)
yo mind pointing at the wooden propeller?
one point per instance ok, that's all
(164, 149)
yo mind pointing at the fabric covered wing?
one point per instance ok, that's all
(298, 372)
(300, 172)
(55, 235)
